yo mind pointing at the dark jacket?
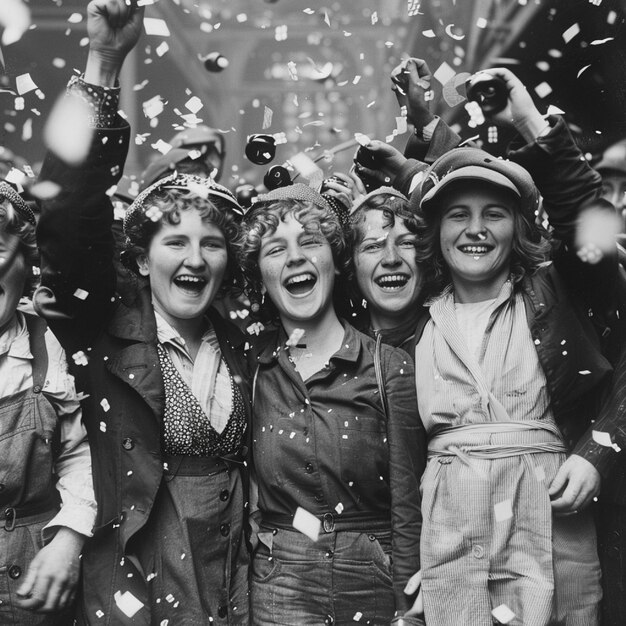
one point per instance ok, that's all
(124, 401)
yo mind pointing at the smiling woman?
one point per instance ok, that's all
(336, 447)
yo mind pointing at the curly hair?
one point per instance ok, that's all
(531, 249)
(166, 206)
(263, 219)
(12, 223)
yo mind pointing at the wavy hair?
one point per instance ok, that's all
(263, 219)
(168, 205)
(531, 249)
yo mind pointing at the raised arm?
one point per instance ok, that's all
(74, 231)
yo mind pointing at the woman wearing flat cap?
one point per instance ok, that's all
(166, 402)
(509, 373)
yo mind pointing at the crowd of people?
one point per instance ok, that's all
(425, 427)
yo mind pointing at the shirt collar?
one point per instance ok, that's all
(14, 341)
(166, 333)
(349, 351)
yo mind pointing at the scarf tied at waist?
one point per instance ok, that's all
(467, 441)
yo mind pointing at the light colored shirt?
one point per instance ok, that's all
(73, 464)
(207, 376)
(472, 319)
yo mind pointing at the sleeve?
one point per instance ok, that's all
(75, 238)
(442, 140)
(73, 462)
(407, 460)
(568, 185)
(611, 422)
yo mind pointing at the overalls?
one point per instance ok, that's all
(28, 498)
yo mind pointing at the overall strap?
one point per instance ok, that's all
(36, 330)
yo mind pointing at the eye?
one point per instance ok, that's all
(175, 243)
(213, 244)
(407, 244)
(496, 214)
(273, 250)
(371, 247)
(455, 215)
(310, 242)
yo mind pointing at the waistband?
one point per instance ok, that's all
(15, 516)
(331, 522)
(201, 465)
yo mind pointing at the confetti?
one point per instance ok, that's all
(503, 614)
(570, 33)
(357, 616)
(104, 403)
(444, 73)
(15, 19)
(481, 22)
(24, 83)
(267, 117)
(503, 511)
(162, 48)
(429, 33)
(543, 89)
(75, 18)
(155, 26)
(153, 107)
(127, 603)
(413, 8)
(306, 523)
(194, 104)
(67, 132)
(598, 42)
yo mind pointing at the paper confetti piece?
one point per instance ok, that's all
(598, 42)
(104, 403)
(503, 614)
(162, 48)
(554, 110)
(75, 18)
(127, 603)
(194, 104)
(24, 83)
(15, 19)
(503, 511)
(543, 89)
(602, 438)
(67, 132)
(267, 117)
(413, 8)
(444, 73)
(156, 26)
(481, 22)
(306, 166)
(307, 523)
(571, 32)
(153, 107)
(81, 294)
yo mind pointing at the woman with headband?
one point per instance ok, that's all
(166, 404)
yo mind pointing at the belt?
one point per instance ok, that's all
(15, 516)
(201, 465)
(331, 522)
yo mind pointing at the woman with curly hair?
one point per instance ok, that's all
(382, 236)
(163, 374)
(334, 433)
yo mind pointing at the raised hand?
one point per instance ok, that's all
(410, 83)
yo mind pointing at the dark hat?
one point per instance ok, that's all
(473, 164)
(204, 187)
(614, 158)
(182, 144)
(8, 192)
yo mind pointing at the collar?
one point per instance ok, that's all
(14, 341)
(166, 333)
(350, 349)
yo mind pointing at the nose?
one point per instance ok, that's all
(476, 227)
(194, 256)
(391, 258)
(294, 255)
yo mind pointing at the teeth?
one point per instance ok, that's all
(190, 279)
(301, 278)
(475, 249)
(394, 278)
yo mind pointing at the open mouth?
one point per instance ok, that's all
(300, 284)
(392, 282)
(475, 250)
(191, 284)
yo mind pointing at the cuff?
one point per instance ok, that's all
(103, 101)
(80, 518)
(429, 130)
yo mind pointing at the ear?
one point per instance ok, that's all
(142, 264)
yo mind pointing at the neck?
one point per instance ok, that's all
(381, 321)
(321, 336)
(466, 293)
